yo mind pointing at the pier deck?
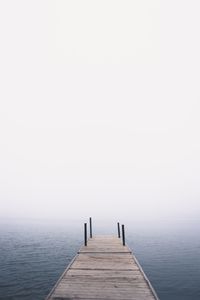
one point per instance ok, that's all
(105, 269)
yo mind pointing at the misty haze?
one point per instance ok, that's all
(99, 117)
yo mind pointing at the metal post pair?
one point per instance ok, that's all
(85, 231)
(123, 233)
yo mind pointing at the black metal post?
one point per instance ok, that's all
(85, 233)
(118, 227)
(90, 227)
(123, 235)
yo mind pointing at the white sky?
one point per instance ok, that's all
(99, 109)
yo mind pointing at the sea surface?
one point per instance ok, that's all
(34, 255)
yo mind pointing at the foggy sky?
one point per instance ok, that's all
(100, 109)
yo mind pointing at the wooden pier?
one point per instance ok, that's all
(105, 269)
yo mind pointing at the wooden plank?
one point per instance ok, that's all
(104, 244)
(103, 270)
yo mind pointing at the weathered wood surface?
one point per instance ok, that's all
(105, 269)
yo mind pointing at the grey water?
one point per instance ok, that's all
(34, 255)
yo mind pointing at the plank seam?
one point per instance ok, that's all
(114, 252)
(98, 269)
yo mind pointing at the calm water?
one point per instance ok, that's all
(32, 257)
